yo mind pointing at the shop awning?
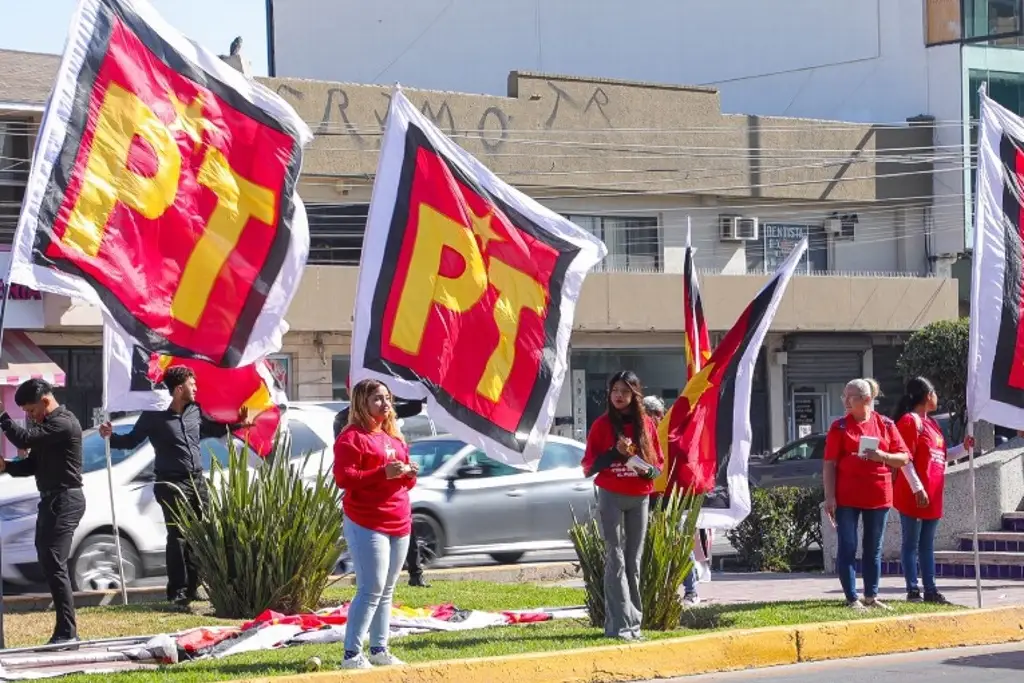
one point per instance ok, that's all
(21, 359)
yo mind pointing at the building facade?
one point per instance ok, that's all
(637, 164)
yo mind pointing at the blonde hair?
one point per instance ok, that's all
(359, 409)
(876, 390)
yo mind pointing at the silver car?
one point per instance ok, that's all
(465, 503)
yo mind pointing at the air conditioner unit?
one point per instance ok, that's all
(747, 229)
(728, 228)
(833, 226)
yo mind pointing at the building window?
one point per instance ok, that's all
(281, 366)
(340, 366)
(1005, 88)
(991, 22)
(634, 242)
(336, 233)
(14, 164)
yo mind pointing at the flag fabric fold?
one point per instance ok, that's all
(995, 385)
(163, 190)
(134, 382)
(709, 431)
(467, 291)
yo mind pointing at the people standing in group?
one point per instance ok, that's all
(371, 465)
(858, 486)
(52, 437)
(919, 486)
(176, 434)
(623, 452)
(655, 408)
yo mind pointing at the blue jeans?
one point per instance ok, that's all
(871, 555)
(919, 546)
(690, 582)
(377, 559)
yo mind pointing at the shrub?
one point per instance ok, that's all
(780, 528)
(268, 540)
(665, 563)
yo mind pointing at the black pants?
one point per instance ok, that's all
(414, 558)
(59, 515)
(182, 571)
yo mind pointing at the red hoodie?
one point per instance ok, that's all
(618, 478)
(371, 499)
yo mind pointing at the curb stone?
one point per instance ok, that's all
(541, 572)
(722, 651)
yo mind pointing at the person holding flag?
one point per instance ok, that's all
(175, 434)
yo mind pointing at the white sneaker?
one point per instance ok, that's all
(358, 662)
(874, 603)
(691, 600)
(385, 659)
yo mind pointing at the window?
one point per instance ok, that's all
(431, 454)
(995, 22)
(281, 367)
(94, 450)
(336, 233)
(491, 468)
(558, 456)
(340, 366)
(304, 440)
(812, 449)
(634, 242)
(1005, 88)
(218, 448)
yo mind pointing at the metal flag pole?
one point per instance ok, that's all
(110, 477)
(6, 287)
(974, 508)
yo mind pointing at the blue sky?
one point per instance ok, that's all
(42, 25)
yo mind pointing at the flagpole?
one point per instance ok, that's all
(974, 508)
(110, 479)
(6, 286)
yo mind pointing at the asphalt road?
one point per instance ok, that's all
(998, 664)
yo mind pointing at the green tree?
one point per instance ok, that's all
(939, 352)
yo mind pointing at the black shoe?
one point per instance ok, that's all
(936, 598)
(64, 643)
(914, 595)
(418, 581)
(180, 599)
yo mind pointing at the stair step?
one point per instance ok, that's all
(1013, 521)
(1013, 515)
(994, 541)
(989, 557)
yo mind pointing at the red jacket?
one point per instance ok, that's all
(618, 478)
(371, 499)
(928, 454)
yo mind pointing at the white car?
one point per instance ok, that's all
(93, 561)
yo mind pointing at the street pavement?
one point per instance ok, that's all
(996, 664)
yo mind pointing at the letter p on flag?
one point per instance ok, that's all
(162, 189)
(467, 291)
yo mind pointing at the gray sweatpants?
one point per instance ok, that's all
(624, 526)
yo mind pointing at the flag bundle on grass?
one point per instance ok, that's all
(467, 290)
(709, 431)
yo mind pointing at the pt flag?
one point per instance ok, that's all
(696, 346)
(134, 381)
(467, 290)
(163, 189)
(995, 382)
(709, 431)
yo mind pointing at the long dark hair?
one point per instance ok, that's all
(637, 414)
(915, 394)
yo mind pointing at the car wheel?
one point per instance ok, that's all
(430, 537)
(94, 567)
(506, 558)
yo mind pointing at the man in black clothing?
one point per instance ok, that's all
(414, 557)
(175, 435)
(53, 439)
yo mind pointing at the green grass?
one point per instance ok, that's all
(558, 635)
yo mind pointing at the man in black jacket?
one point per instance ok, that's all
(53, 439)
(414, 557)
(175, 435)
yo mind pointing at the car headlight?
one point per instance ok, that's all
(19, 509)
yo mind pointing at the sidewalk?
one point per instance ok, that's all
(745, 587)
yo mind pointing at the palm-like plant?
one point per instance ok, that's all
(269, 540)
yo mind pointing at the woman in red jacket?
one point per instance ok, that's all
(623, 451)
(860, 449)
(918, 490)
(371, 465)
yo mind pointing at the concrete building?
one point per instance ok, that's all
(632, 162)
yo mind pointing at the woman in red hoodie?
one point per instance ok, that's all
(918, 490)
(371, 465)
(623, 451)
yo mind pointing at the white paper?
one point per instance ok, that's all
(867, 443)
(638, 465)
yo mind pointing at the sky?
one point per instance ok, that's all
(42, 25)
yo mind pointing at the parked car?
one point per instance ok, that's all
(796, 464)
(413, 428)
(93, 563)
(465, 503)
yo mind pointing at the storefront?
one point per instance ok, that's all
(817, 369)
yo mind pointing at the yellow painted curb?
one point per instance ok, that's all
(722, 651)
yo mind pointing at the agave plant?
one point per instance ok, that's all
(664, 566)
(269, 540)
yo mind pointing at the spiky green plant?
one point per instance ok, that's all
(269, 540)
(664, 566)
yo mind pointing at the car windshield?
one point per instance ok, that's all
(433, 453)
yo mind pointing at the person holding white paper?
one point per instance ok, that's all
(858, 486)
